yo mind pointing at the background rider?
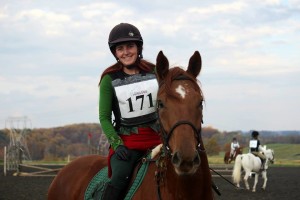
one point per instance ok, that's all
(255, 147)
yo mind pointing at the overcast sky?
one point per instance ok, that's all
(52, 54)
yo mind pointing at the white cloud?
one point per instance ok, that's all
(53, 24)
(214, 9)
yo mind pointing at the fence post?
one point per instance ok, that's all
(4, 167)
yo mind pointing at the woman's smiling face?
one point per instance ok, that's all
(127, 53)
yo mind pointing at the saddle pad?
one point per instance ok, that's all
(99, 181)
(138, 180)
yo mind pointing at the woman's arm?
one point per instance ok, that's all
(105, 112)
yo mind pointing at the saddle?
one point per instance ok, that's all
(98, 183)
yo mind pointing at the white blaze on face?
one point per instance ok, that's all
(181, 91)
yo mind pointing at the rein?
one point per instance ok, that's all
(241, 188)
(160, 170)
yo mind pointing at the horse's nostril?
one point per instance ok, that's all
(197, 159)
(175, 158)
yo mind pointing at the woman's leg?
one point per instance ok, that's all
(121, 175)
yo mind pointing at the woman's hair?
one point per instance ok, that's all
(142, 64)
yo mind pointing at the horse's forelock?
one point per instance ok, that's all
(175, 73)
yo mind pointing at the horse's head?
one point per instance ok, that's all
(179, 103)
(271, 156)
(239, 150)
(269, 153)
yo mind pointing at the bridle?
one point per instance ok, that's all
(273, 157)
(167, 135)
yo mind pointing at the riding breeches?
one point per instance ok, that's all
(122, 169)
(232, 152)
(260, 155)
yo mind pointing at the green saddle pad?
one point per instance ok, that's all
(99, 181)
(97, 184)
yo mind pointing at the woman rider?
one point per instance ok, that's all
(255, 147)
(233, 147)
(128, 90)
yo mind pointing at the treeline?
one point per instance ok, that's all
(80, 139)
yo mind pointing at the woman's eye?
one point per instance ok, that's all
(119, 48)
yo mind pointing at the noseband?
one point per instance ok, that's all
(166, 136)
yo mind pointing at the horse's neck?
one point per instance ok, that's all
(197, 186)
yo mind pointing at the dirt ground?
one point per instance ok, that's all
(283, 183)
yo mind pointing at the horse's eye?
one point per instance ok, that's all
(160, 104)
(201, 105)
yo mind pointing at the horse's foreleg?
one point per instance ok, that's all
(255, 182)
(264, 175)
(247, 174)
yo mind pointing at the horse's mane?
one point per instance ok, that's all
(177, 73)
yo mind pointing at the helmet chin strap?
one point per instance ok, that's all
(139, 57)
(130, 66)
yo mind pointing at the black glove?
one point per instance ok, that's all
(122, 152)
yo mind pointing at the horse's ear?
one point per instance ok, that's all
(162, 66)
(195, 64)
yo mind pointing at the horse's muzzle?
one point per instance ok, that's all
(185, 166)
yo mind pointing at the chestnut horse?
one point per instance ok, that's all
(180, 170)
(228, 160)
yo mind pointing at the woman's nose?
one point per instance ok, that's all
(126, 50)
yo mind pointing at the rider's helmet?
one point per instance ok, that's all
(125, 32)
(255, 133)
(234, 139)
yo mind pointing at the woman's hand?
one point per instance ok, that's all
(122, 152)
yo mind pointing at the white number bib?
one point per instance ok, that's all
(235, 145)
(253, 143)
(137, 96)
(137, 99)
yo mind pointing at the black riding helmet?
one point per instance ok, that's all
(125, 32)
(255, 133)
